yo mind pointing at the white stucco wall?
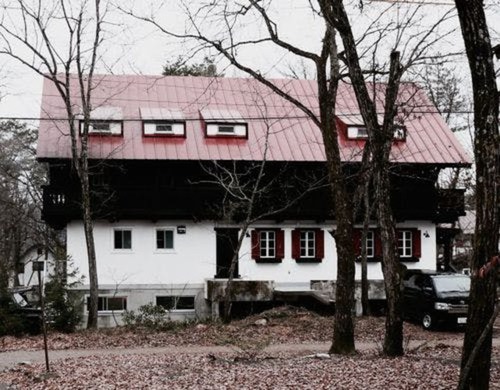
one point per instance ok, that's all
(194, 256)
(30, 278)
(191, 261)
(289, 271)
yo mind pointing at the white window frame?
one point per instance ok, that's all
(177, 128)
(106, 297)
(307, 244)
(177, 310)
(155, 238)
(405, 243)
(267, 241)
(370, 243)
(240, 129)
(357, 132)
(115, 127)
(124, 228)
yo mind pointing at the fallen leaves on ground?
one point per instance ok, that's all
(284, 325)
(225, 371)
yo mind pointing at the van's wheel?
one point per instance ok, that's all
(427, 321)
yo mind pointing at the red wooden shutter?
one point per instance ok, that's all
(357, 241)
(280, 244)
(296, 244)
(416, 243)
(255, 244)
(378, 243)
(320, 243)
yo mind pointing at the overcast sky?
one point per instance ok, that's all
(135, 47)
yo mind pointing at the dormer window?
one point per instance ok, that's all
(104, 120)
(163, 122)
(224, 123)
(357, 132)
(102, 127)
(99, 127)
(399, 133)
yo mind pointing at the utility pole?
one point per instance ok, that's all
(39, 267)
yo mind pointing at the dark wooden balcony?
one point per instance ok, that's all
(450, 205)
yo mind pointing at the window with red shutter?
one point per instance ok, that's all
(409, 244)
(373, 244)
(268, 245)
(308, 245)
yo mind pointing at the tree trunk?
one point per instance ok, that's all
(365, 302)
(89, 239)
(381, 146)
(487, 155)
(226, 317)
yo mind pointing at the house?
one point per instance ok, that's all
(158, 237)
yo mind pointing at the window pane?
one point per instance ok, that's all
(160, 239)
(127, 239)
(117, 303)
(163, 128)
(175, 302)
(164, 239)
(226, 129)
(118, 239)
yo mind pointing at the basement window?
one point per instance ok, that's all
(175, 302)
(109, 304)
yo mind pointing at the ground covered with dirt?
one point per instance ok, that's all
(283, 325)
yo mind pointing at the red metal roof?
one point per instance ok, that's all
(292, 135)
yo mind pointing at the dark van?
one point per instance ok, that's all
(433, 297)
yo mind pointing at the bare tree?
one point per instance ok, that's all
(487, 156)
(328, 75)
(252, 193)
(327, 69)
(34, 43)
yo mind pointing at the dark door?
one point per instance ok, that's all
(227, 240)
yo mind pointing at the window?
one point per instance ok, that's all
(405, 243)
(308, 245)
(373, 244)
(268, 245)
(122, 239)
(103, 127)
(110, 303)
(100, 127)
(172, 302)
(357, 132)
(226, 129)
(370, 243)
(164, 128)
(164, 239)
(399, 133)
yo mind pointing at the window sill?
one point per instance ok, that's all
(268, 260)
(377, 259)
(411, 259)
(165, 252)
(308, 260)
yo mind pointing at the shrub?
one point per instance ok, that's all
(63, 305)
(148, 316)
